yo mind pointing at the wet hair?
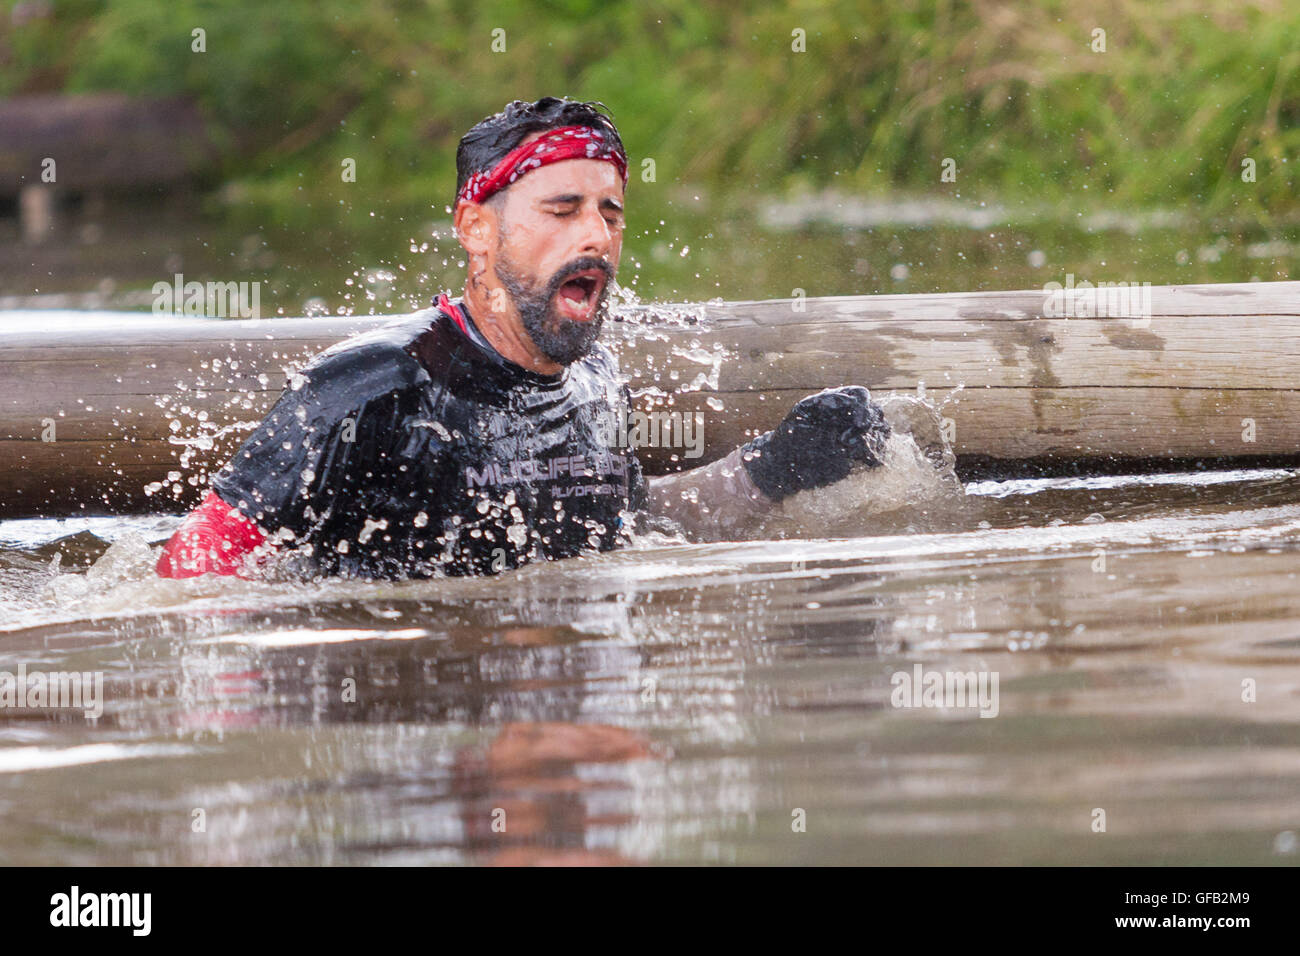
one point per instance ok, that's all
(488, 142)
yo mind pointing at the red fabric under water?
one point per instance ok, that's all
(214, 538)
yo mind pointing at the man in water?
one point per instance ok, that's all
(473, 437)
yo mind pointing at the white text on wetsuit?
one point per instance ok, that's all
(577, 466)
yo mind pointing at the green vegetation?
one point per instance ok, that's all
(1124, 164)
(714, 93)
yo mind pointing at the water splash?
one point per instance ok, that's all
(915, 487)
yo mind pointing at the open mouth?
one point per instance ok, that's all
(580, 293)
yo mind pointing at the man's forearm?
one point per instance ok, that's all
(712, 500)
(820, 440)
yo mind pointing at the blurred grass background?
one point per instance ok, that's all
(714, 93)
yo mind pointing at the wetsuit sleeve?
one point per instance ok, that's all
(711, 502)
(326, 444)
(638, 484)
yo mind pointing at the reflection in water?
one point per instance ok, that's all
(683, 703)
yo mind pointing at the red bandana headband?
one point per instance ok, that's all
(565, 142)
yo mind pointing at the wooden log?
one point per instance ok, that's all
(100, 141)
(111, 412)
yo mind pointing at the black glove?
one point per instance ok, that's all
(818, 442)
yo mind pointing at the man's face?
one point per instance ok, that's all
(558, 243)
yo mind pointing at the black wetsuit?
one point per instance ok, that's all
(418, 447)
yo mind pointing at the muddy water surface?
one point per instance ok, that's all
(687, 703)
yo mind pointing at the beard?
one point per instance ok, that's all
(560, 339)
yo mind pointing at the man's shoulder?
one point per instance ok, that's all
(376, 362)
